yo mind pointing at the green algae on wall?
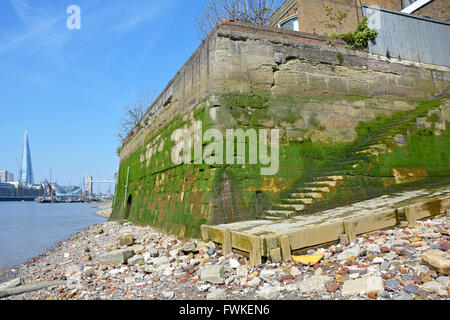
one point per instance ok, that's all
(316, 133)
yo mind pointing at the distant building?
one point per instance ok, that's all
(26, 170)
(6, 176)
(311, 16)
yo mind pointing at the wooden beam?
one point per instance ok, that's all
(285, 247)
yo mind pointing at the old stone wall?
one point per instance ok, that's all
(251, 78)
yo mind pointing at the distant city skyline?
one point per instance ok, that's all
(68, 88)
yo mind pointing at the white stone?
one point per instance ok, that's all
(269, 293)
(314, 284)
(267, 274)
(234, 263)
(362, 286)
(254, 282)
(218, 294)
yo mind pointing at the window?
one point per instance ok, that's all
(291, 24)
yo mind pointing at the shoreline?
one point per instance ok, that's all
(8, 273)
(165, 268)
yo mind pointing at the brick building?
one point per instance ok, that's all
(311, 16)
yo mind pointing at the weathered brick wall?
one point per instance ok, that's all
(437, 9)
(312, 14)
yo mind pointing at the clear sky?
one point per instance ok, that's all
(68, 88)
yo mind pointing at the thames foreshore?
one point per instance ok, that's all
(122, 261)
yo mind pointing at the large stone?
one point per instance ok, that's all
(314, 284)
(269, 293)
(438, 260)
(117, 256)
(136, 260)
(152, 252)
(189, 247)
(218, 294)
(362, 286)
(11, 284)
(213, 274)
(350, 252)
(160, 261)
(267, 274)
(433, 286)
(126, 240)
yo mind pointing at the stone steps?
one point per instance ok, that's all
(299, 201)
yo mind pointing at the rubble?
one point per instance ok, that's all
(403, 263)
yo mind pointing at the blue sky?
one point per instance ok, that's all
(68, 88)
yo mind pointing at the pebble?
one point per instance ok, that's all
(160, 266)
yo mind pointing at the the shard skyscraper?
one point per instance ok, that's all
(26, 170)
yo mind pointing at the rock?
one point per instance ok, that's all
(152, 252)
(174, 253)
(117, 256)
(242, 271)
(157, 262)
(411, 289)
(385, 266)
(214, 274)
(254, 282)
(333, 287)
(234, 263)
(444, 280)
(350, 252)
(211, 251)
(385, 250)
(295, 272)
(99, 231)
(438, 260)
(168, 294)
(218, 294)
(136, 260)
(373, 248)
(267, 274)
(392, 284)
(138, 249)
(89, 272)
(280, 57)
(126, 240)
(404, 297)
(378, 260)
(390, 256)
(189, 247)
(433, 286)
(314, 284)
(362, 286)
(311, 259)
(269, 293)
(11, 284)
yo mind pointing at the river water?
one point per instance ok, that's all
(28, 229)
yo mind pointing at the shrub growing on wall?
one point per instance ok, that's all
(358, 39)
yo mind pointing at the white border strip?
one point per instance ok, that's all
(416, 6)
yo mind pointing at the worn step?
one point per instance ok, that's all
(281, 213)
(299, 200)
(296, 207)
(316, 189)
(314, 195)
(328, 178)
(322, 183)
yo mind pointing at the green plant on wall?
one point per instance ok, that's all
(358, 39)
